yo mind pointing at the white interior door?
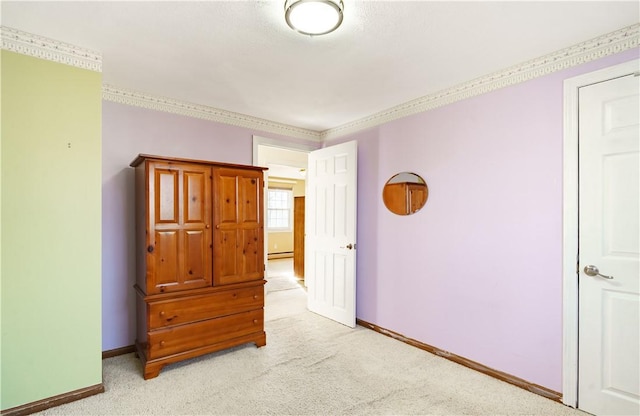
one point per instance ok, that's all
(330, 228)
(609, 240)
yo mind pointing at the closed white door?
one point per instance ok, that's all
(330, 228)
(609, 248)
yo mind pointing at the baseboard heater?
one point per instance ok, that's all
(280, 255)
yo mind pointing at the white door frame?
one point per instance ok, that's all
(570, 223)
(279, 144)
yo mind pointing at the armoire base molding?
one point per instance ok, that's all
(508, 378)
(44, 404)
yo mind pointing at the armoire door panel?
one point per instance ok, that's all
(195, 197)
(227, 196)
(197, 258)
(166, 195)
(249, 196)
(227, 253)
(252, 254)
(165, 257)
(180, 221)
(242, 225)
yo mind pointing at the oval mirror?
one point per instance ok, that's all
(405, 193)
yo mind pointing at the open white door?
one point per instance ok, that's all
(609, 247)
(330, 228)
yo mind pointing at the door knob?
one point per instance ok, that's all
(349, 246)
(592, 270)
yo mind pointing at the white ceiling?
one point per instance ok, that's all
(240, 56)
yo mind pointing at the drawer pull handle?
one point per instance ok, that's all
(255, 321)
(161, 343)
(255, 296)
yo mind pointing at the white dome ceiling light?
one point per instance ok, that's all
(313, 17)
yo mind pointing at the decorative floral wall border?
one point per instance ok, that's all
(52, 50)
(169, 105)
(609, 44)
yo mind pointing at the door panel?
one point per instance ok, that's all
(609, 213)
(330, 267)
(227, 245)
(166, 196)
(239, 225)
(196, 232)
(249, 199)
(179, 247)
(620, 172)
(195, 197)
(252, 264)
(195, 256)
(619, 341)
(226, 188)
(166, 259)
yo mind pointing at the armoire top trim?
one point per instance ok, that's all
(52, 50)
(609, 44)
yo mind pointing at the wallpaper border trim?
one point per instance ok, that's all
(618, 41)
(184, 108)
(24, 43)
(609, 44)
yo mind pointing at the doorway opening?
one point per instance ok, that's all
(284, 237)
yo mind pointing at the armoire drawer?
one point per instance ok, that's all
(200, 307)
(187, 337)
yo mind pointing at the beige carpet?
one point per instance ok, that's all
(280, 276)
(310, 366)
(277, 283)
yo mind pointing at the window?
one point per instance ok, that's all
(279, 207)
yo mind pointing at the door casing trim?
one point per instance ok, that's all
(570, 203)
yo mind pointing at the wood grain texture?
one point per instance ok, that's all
(298, 236)
(200, 239)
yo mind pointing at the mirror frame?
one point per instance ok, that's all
(405, 193)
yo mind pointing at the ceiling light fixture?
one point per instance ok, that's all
(313, 17)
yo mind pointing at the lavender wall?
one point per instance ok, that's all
(126, 132)
(478, 271)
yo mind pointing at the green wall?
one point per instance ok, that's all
(50, 229)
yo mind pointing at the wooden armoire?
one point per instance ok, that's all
(200, 258)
